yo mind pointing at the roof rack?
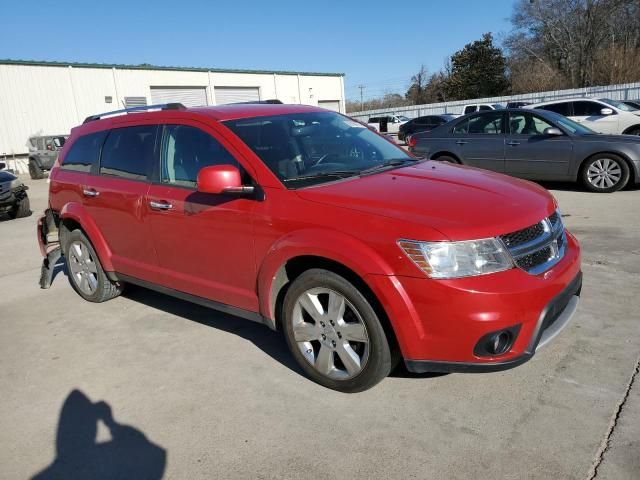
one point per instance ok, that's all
(272, 101)
(144, 108)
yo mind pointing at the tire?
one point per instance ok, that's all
(604, 173)
(319, 345)
(35, 172)
(21, 209)
(85, 272)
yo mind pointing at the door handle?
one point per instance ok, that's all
(90, 192)
(513, 143)
(461, 142)
(160, 205)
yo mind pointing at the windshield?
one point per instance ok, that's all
(619, 105)
(570, 125)
(302, 149)
(497, 106)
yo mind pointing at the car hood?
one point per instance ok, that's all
(461, 202)
(6, 177)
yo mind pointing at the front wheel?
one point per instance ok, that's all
(21, 209)
(605, 173)
(334, 333)
(35, 171)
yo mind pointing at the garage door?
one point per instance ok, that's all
(236, 94)
(188, 96)
(330, 104)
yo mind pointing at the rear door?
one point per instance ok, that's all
(589, 114)
(204, 241)
(114, 197)
(480, 140)
(531, 154)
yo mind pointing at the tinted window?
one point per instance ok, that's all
(485, 108)
(527, 124)
(562, 108)
(490, 123)
(185, 151)
(422, 121)
(587, 109)
(469, 109)
(84, 152)
(128, 152)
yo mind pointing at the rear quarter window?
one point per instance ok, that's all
(84, 153)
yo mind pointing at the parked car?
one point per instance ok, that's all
(43, 152)
(517, 104)
(635, 104)
(14, 200)
(422, 124)
(536, 145)
(601, 115)
(481, 107)
(306, 221)
(387, 123)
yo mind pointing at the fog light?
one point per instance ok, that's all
(496, 343)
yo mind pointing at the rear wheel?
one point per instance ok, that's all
(334, 334)
(21, 209)
(605, 173)
(85, 271)
(35, 172)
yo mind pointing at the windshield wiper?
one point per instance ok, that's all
(335, 173)
(395, 162)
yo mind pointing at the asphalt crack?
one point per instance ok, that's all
(606, 442)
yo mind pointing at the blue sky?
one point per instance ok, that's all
(376, 43)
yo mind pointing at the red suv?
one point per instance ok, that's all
(309, 222)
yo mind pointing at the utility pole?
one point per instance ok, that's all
(361, 87)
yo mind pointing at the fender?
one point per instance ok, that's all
(76, 212)
(332, 245)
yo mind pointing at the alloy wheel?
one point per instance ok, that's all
(330, 333)
(83, 268)
(604, 173)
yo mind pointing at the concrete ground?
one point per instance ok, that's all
(166, 388)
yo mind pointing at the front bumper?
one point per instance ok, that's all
(439, 323)
(553, 319)
(9, 198)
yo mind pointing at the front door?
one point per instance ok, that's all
(480, 141)
(204, 241)
(590, 115)
(531, 154)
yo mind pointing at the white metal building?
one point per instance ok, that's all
(42, 98)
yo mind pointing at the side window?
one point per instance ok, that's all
(527, 124)
(489, 123)
(469, 109)
(422, 121)
(462, 127)
(128, 152)
(484, 108)
(40, 143)
(84, 152)
(587, 109)
(185, 151)
(563, 108)
(49, 144)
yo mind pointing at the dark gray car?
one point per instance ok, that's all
(536, 145)
(43, 153)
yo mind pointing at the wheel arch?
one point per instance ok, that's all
(445, 153)
(629, 129)
(74, 216)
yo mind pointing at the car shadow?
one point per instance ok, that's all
(270, 342)
(577, 187)
(79, 454)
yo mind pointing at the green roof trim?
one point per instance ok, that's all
(146, 66)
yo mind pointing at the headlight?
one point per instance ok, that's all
(458, 259)
(15, 183)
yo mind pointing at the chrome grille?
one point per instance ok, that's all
(538, 247)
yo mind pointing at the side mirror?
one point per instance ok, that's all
(606, 111)
(219, 179)
(552, 132)
(3, 165)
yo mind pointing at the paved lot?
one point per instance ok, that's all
(198, 394)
